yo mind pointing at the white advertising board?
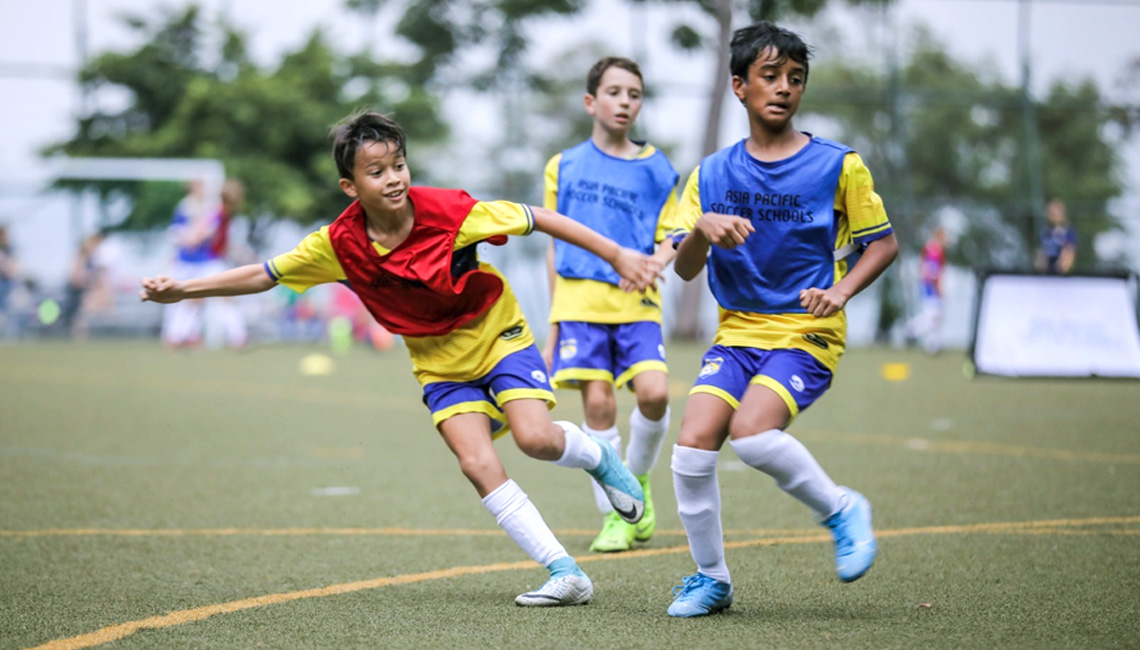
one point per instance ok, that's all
(1057, 326)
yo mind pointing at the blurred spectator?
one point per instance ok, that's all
(926, 326)
(300, 319)
(200, 231)
(87, 288)
(9, 270)
(1058, 249)
(192, 232)
(347, 308)
(224, 317)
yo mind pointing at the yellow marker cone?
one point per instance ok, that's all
(895, 371)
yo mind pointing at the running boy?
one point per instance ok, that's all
(409, 253)
(601, 336)
(773, 216)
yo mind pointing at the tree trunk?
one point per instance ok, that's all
(688, 322)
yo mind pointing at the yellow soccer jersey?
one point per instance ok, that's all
(858, 210)
(464, 354)
(600, 302)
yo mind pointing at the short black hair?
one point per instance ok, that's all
(360, 128)
(749, 42)
(594, 76)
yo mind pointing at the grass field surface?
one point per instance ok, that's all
(154, 499)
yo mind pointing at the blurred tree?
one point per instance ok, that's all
(481, 46)
(946, 140)
(190, 95)
(443, 29)
(965, 149)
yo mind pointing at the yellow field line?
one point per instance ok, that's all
(788, 533)
(973, 447)
(116, 632)
(122, 630)
(223, 532)
(393, 532)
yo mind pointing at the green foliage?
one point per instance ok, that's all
(686, 38)
(269, 127)
(440, 29)
(943, 136)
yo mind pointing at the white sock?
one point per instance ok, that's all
(611, 434)
(796, 471)
(645, 439)
(516, 514)
(580, 451)
(698, 504)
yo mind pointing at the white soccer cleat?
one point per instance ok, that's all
(558, 592)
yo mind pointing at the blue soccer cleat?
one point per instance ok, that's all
(855, 546)
(619, 484)
(700, 595)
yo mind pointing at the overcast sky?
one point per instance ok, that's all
(38, 52)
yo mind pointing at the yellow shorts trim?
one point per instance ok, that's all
(638, 368)
(719, 392)
(569, 377)
(782, 391)
(486, 408)
(527, 393)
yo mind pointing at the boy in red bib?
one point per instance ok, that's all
(409, 253)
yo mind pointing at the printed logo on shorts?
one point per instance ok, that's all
(512, 333)
(538, 376)
(568, 349)
(661, 351)
(711, 367)
(797, 383)
(816, 340)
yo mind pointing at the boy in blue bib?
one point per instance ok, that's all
(602, 337)
(773, 218)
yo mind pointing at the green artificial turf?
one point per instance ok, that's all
(139, 482)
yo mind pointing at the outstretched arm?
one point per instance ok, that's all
(243, 280)
(636, 268)
(875, 259)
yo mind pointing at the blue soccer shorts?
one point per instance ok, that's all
(794, 375)
(520, 375)
(614, 353)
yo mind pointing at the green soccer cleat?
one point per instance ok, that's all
(616, 536)
(645, 528)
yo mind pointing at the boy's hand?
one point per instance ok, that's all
(637, 270)
(822, 302)
(658, 266)
(724, 230)
(161, 289)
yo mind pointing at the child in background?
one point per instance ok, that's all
(926, 327)
(773, 216)
(601, 336)
(410, 254)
